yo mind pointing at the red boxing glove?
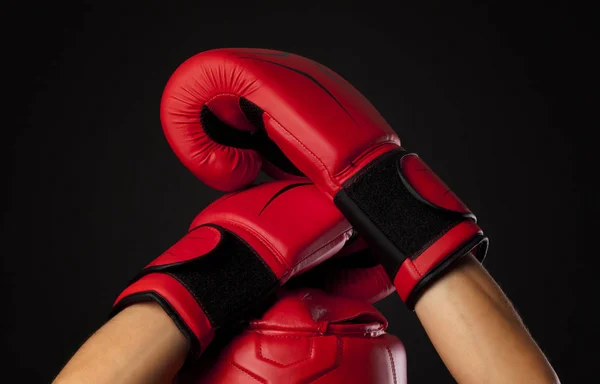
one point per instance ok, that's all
(229, 112)
(353, 272)
(240, 249)
(308, 336)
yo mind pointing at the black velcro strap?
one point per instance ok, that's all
(388, 215)
(231, 283)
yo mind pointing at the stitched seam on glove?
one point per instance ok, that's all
(274, 362)
(316, 251)
(303, 146)
(389, 351)
(248, 373)
(358, 158)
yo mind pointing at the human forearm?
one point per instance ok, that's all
(477, 332)
(141, 344)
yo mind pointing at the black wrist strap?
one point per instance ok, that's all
(393, 219)
(231, 284)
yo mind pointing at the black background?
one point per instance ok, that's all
(487, 95)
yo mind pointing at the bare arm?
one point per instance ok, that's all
(141, 344)
(477, 332)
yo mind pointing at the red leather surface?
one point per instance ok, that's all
(365, 283)
(428, 185)
(293, 232)
(368, 284)
(179, 298)
(316, 311)
(352, 273)
(310, 337)
(319, 120)
(195, 243)
(411, 271)
(227, 108)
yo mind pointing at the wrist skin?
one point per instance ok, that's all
(141, 344)
(476, 330)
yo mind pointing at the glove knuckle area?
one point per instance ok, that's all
(204, 124)
(291, 220)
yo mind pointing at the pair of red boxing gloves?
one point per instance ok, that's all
(347, 191)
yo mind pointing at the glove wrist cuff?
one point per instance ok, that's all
(188, 281)
(177, 302)
(405, 212)
(416, 274)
